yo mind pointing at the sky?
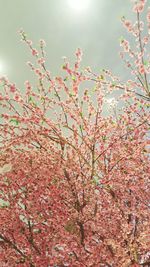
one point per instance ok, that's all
(92, 25)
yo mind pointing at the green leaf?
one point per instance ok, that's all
(71, 94)
(65, 79)
(114, 83)
(73, 78)
(104, 137)
(30, 98)
(101, 77)
(94, 89)
(43, 121)
(146, 63)
(14, 121)
(96, 180)
(121, 38)
(4, 204)
(81, 114)
(81, 127)
(147, 105)
(63, 67)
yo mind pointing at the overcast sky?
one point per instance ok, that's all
(64, 25)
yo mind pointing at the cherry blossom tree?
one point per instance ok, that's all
(74, 178)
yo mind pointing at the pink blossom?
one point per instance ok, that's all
(41, 61)
(125, 44)
(16, 97)
(127, 24)
(76, 65)
(28, 85)
(29, 42)
(148, 16)
(38, 72)
(5, 116)
(143, 1)
(42, 43)
(141, 69)
(12, 88)
(145, 40)
(79, 52)
(34, 52)
(138, 7)
(75, 89)
(76, 178)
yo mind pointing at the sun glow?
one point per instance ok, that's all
(1, 67)
(79, 5)
(111, 101)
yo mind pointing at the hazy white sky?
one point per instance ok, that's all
(93, 25)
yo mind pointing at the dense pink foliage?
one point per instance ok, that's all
(74, 180)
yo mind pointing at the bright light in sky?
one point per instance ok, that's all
(112, 102)
(1, 67)
(79, 5)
